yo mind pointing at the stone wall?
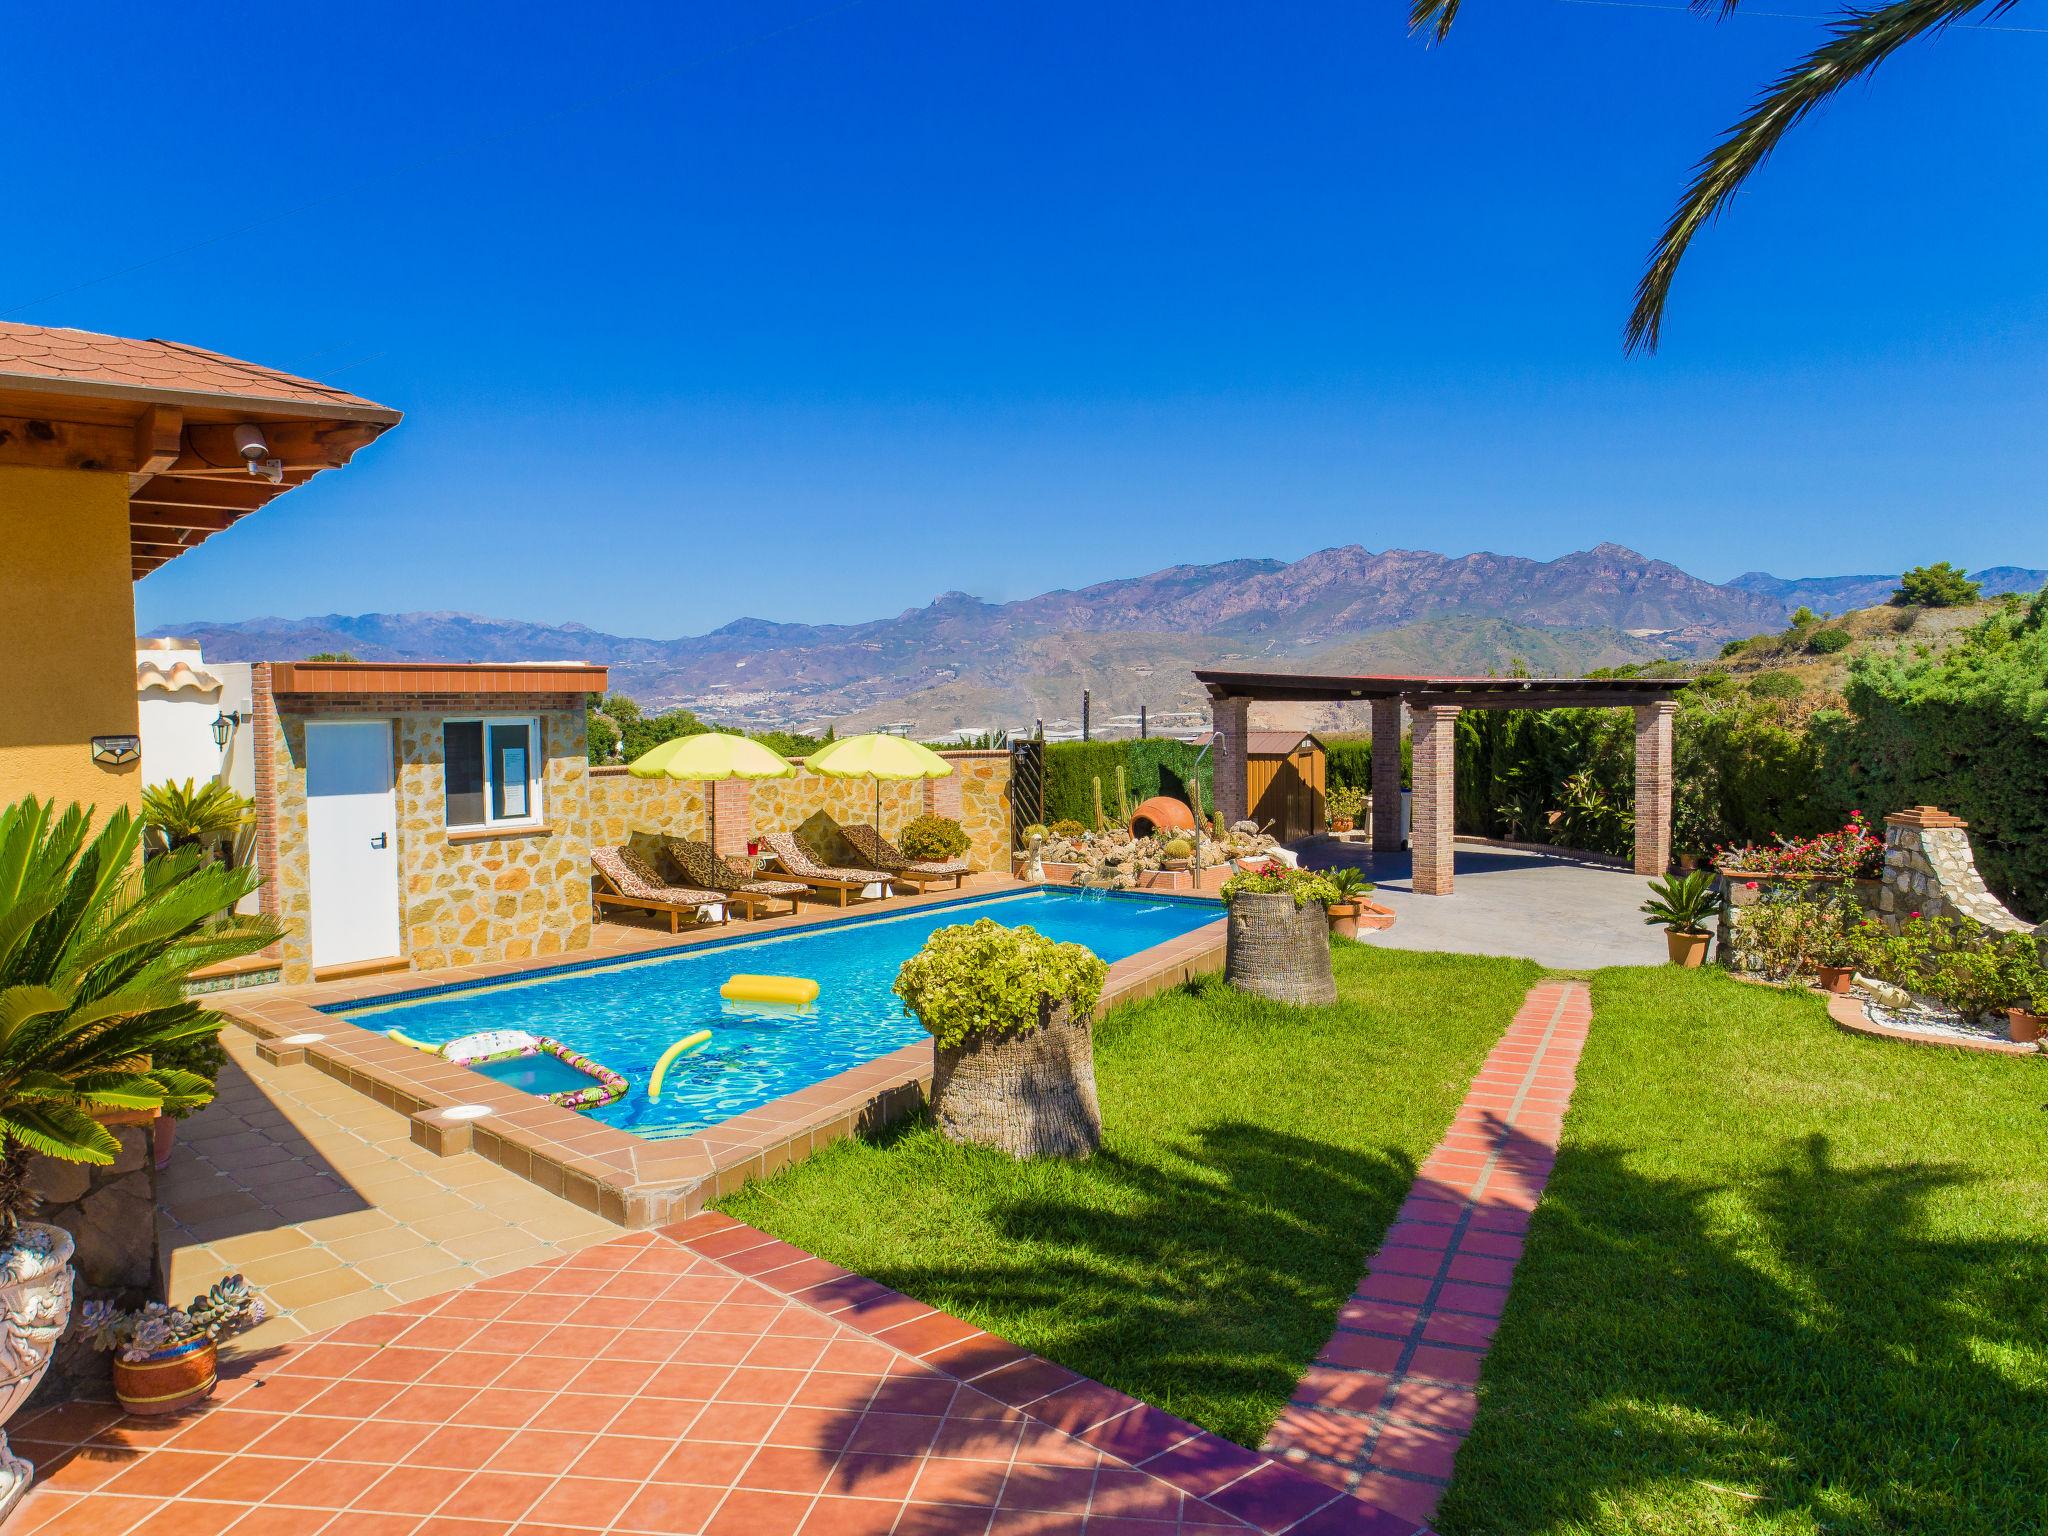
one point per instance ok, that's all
(464, 896)
(1930, 870)
(110, 1211)
(977, 795)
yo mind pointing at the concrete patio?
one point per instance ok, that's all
(1572, 912)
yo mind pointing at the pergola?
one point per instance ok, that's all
(1433, 704)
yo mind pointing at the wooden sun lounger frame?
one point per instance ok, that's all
(838, 887)
(908, 875)
(609, 895)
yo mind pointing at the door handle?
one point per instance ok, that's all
(378, 841)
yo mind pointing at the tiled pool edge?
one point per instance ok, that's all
(626, 1179)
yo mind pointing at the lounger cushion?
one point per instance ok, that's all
(793, 858)
(633, 876)
(879, 851)
(822, 838)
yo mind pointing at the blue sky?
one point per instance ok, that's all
(813, 311)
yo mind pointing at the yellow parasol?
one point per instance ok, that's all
(707, 756)
(878, 757)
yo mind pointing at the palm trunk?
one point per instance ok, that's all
(18, 1199)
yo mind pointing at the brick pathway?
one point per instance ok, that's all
(702, 1379)
(1390, 1398)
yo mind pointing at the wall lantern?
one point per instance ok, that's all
(224, 727)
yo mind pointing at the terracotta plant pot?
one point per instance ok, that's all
(163, 1135)
(1342, 823)
(1344, 919)
(165, 1383)
(1837, 978)
(1686, 949)
(2023, 1026)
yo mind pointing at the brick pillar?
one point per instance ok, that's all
(263, 728)
(943, 797)
(1653, 786)
(1434, 825)
(730, 806)
(1232, 719)
(1386, 775)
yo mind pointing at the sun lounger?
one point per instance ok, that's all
(700, 864)
(883, 854)
(842, 881)
(624, 879)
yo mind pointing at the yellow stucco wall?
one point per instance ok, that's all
(67, 631)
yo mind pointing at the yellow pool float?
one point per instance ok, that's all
(685, 1046)
(793, 991)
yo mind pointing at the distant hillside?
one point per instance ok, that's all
(1840, 594)
(961, 662)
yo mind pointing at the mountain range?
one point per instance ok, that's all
(961, 663)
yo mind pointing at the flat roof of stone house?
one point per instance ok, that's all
(390, 679)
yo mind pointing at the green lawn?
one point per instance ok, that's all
(1783, 1281)
(1253, 1156)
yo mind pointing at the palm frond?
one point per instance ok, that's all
(1861, 39)
(1432, 16)
(57, 1130)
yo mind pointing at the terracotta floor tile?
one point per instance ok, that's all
(498, 1496)
(714, 1464)
(670, 1507)
(749, 1513)
(410, 1490)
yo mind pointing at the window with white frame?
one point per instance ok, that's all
(492, 771)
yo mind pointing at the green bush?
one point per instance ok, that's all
(1954, 962)
(1825, 642)
(1940, 585)
(933, 837)
(1303, 885)
(1348, 761)
(1345, 802)
(201, 1055)
(1776, 685)
(1154, 765)
(982, 978)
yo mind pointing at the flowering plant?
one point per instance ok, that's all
(229, 1308)
(1853, 852)
(1272, 878)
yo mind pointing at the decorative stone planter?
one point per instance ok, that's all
(1032, 1095)
(35, 1309)
(168, 1382)
(1276, 950)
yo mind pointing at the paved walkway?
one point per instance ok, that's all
(1562, 912)
(643, 1385)
(1390, 1398)
(317, 1194)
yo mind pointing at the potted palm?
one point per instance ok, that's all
(95, 949)
(1349, 886)
(1683, 905)
(1014, 1061)
(1277, 942)
(190, 815)
(2024, 983)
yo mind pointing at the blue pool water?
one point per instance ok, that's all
(626, 1014)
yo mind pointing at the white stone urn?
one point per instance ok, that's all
(35, 1309)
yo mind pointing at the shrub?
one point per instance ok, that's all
(1068, 828)
(1776, 685)
(1794, 932)
(201, 1055)
(1682, 903)
(1346, 802)
(1940, 585)
(983, 978)
(933, 837)
(1852, 852)
(1954, 962)
(1827, 641)
(1273, 878)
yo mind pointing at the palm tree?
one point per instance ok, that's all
(189, 816)
(1859, 40)
(95, 949)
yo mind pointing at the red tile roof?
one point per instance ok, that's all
(41, 356)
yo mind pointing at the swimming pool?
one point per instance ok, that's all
(625, 1014)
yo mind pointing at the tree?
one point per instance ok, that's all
(1859, 40)
(95, 949)
(618, 728)
(1940, 585)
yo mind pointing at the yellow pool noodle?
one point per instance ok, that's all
(794, 990)
(404, 1039)
(688, 1043)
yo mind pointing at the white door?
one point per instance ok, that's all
(351, 840)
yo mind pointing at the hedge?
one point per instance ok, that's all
(1349, 761)
(1154, 765)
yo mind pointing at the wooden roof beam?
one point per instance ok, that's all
(143, 515)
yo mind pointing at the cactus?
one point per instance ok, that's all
(1098, 802)
(1195, 798)
(1123, 798)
